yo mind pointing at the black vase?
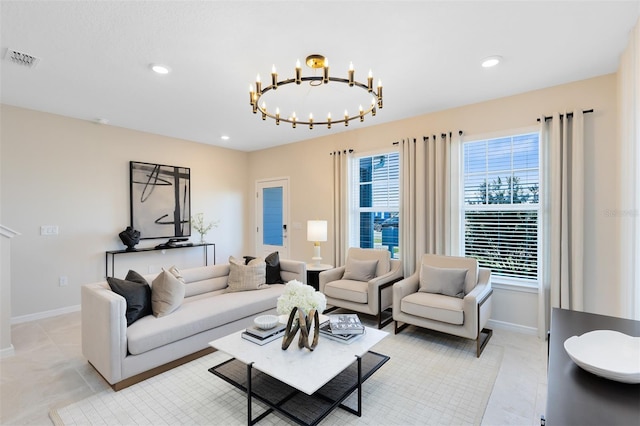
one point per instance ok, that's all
(130, 237)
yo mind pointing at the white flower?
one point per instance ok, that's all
(297, 294)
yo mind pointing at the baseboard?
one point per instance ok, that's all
(7, 352)
(512, 327)
(45, 314)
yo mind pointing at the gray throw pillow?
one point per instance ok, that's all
(251, 276)
(360, 270)
(167, 293)
(447, 281)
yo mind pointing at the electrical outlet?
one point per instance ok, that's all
(63, 281)
(49, 230)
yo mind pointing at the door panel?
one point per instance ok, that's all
(272, 208)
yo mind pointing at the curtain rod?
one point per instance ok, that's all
(569, 114)
(338, 152)
(426, 138)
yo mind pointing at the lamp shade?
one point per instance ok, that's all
(316, 230)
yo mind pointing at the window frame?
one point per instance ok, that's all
(354, 210)
(526, 284)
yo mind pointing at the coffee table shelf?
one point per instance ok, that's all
(294, 404)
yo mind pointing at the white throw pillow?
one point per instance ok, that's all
(447, 281)
(252, 276)
(360, 270)
(167, 293)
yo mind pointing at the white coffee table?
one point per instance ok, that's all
(331, 372)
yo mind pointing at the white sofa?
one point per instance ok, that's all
(126, 355)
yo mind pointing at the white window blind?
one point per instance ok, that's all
(501, 204)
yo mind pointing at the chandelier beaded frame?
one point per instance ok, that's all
(316, 62)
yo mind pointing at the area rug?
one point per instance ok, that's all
(431, 379)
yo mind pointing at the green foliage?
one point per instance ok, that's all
(507, 191)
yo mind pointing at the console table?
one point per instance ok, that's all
(113, 254)
(577, 397)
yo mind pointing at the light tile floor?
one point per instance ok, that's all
(48, 370)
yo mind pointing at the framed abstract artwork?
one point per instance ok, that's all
(160, 200)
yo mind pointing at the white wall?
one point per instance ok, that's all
(75, 174)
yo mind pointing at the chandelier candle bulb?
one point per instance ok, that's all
(264, 111)
(380, 94)
(310, 121)
(328, 120)
(277, 116)
(258, 84)
(298, 72)
(361, 114)
(370, 82)
(274, 77)
(351, 72)
(346, 118)
(252, 95)
(325, 77)
(293, 120)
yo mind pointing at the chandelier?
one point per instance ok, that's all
(315, 62)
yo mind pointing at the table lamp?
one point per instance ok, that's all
(316, 232)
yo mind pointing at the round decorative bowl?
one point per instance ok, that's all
(266, 322)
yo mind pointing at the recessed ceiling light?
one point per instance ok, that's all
(160, 69)
(224, 137)
(491, 61)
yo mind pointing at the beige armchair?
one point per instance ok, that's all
(447, 294)
(363, 284)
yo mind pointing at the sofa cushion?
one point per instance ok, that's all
(198, 314)
(251, 276)
(205, 279)
(136, 292)
(447, 281)
(435, 307)
(354, 291)
(360, 270)
(167, 292)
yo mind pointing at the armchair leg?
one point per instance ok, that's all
(383, 323)
(399, 329)
(482, 342)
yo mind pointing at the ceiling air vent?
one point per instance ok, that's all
(21, 58)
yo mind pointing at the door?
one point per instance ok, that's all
(272, 216)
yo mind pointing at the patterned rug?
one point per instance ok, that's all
(431, 379)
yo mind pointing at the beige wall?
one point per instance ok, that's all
(75, 174)
(309, 166)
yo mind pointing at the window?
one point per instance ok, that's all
(501, 181)
(375, 201)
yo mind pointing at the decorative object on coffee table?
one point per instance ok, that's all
(130, 237)
(299, 321)
(197, 223)
(266, 322)
(303, 305)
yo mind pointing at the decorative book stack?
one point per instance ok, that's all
(260, 336)
(343, 328)
(345, 324)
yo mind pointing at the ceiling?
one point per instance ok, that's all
(95, 57)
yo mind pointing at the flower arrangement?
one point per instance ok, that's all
(197, 223)
(302, 296)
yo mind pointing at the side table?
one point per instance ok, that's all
(313, 274)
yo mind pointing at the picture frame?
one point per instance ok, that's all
(160, 200)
